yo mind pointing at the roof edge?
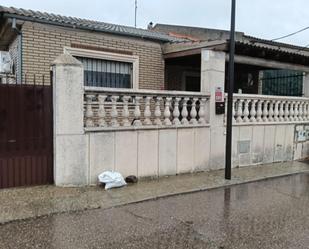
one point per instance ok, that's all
(68, 25)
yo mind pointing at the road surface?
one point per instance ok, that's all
(266, 214)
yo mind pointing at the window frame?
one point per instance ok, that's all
(95, 54)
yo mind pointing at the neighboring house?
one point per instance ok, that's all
(143, 102)
(250, 79)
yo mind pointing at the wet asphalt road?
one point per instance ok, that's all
(267, 214)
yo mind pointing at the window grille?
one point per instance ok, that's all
(282, 83)
(107, 73)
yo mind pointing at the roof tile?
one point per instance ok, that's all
(90, 24)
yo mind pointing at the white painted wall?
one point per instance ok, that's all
(269, 143)
(149, 153)
(266, 144)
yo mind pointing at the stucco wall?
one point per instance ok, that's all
(260, 144)
(43, 43)
(154, 153)
(148, 153)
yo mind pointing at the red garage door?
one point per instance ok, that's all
(26, 135)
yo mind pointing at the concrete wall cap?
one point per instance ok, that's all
(66, 59)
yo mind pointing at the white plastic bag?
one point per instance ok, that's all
(112, 179)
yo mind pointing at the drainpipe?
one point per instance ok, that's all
(20, 51)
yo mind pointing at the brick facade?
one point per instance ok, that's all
(42, 43)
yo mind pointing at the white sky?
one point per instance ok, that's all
(266, 19)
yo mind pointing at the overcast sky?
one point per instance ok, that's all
(262, 18)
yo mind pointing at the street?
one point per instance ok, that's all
(265, 214)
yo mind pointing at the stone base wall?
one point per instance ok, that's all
(261, 144)
(148, 153)
(163, 152)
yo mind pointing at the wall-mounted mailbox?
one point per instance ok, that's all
(220, 107)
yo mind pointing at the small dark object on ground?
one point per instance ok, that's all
(101, 184)
(131, 179)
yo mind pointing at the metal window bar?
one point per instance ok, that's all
(283, 85)
(106, 73)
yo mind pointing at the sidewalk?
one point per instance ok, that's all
(22, 203)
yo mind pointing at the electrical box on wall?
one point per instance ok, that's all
(301, 133)
(301, 136)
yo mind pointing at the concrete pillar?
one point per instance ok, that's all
(212, 77)
(70, 142)
(306, 85)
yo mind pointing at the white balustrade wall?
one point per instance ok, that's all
(158, 133)
(249, 108)
(116, 109)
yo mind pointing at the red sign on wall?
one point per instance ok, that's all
(219, 94)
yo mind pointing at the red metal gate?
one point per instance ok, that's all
(26, 135)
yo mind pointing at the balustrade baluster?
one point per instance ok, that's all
(125, 111)
(101, 111)
(89, 111)
(147, 112)
(265, 111)
(233, 109)
(239, 110)
(114, 112)
(158, 111)
(246, 111)
(137, 112)
(253, 111)
(292, 111)
(193, 112)
(276, 111)
(167, 112)
(281, 111)
(301, 112)
(304, 116)
(184, 112)
(307, 110)
(286, 111)
(176, 112)
(271, 111)
(296, 113)
(201, 112)
(259, 111)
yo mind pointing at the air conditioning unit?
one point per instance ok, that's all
(5, 62)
